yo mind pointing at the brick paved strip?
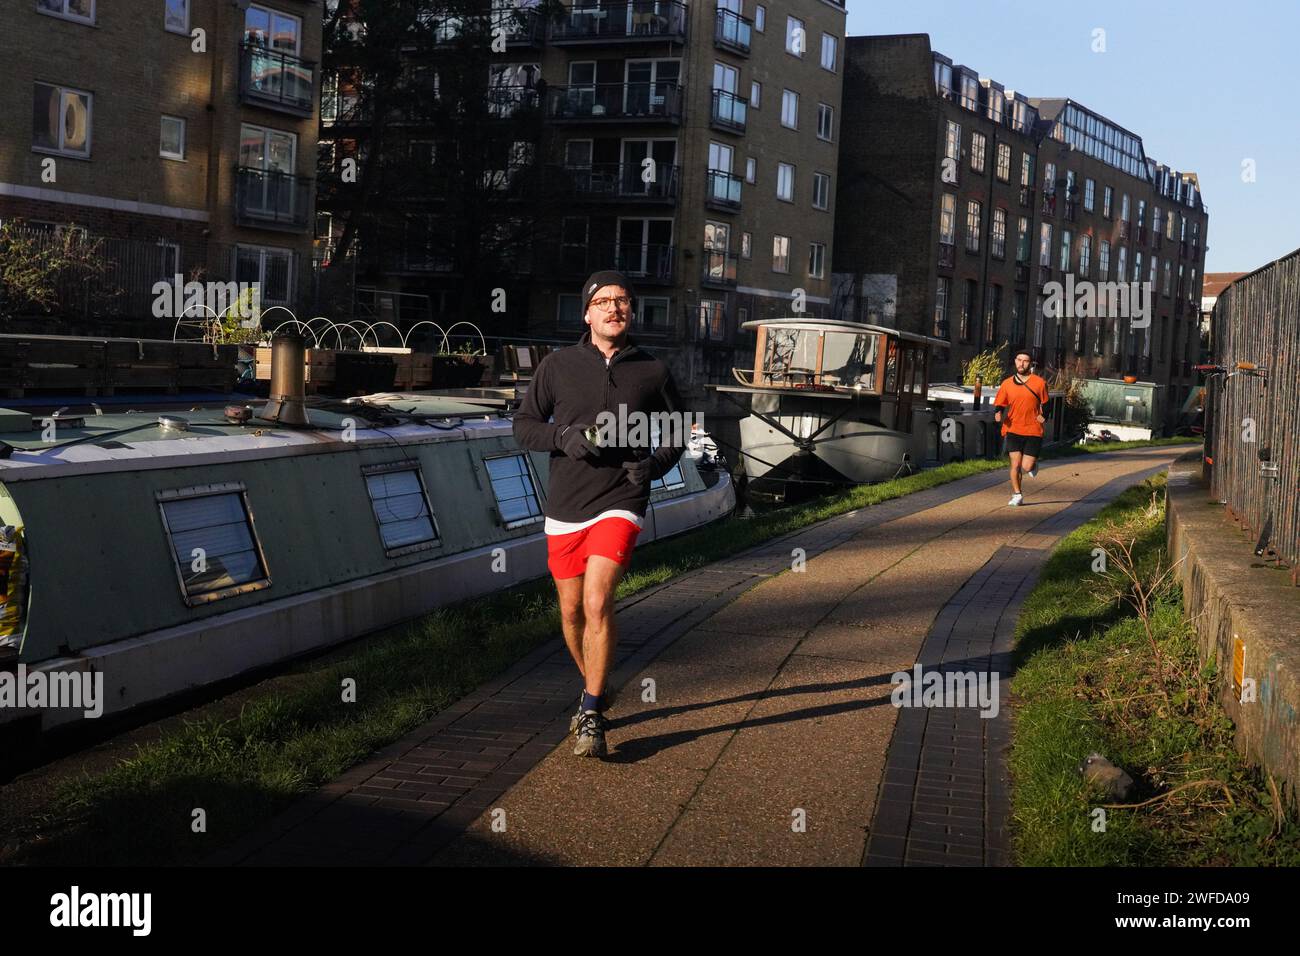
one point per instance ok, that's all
(488, 741)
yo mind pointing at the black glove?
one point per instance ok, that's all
(639, 472)
(573, 442)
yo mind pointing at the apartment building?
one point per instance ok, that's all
(693, 145)
(183, 130)
(979, 197)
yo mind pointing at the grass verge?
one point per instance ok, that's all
(1096, 675)
(294, 733)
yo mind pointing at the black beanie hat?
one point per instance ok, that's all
(598, 280)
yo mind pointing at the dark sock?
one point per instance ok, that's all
(591, 701)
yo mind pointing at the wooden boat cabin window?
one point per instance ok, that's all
(515, 490)
(401, 507)
(214, 541)
(849, 360)
(815, 357)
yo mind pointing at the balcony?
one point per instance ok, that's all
(723, 190)
(616, 103)
(1142, 235)
(1071, 212)
(505, 102)
(617, 182)
(637, 21)
(523, 28)
(947, 255)
(344, 109)
(719, 269)
(266, 199)
(729, 112)
(732, 32)
(1026, 197)
(1049, 204)
(1123, 228)
(276, 80)
(652, 263)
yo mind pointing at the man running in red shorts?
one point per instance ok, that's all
(1020, 402)
(597, 494)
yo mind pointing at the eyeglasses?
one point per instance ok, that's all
(622, 301)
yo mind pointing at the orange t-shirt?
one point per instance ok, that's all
(1022, 405)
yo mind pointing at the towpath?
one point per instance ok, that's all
(770, 738)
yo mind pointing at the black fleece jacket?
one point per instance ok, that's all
(571, 387)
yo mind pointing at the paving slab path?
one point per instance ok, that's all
(753, 723)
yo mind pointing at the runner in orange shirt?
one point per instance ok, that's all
(1020, 402)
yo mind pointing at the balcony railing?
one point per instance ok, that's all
(732, 32)
(1142, 235)
(634, 21)
(1123, 228)
(276, 80)
(272, 200)
(504, 102)
(723, 189)
(659, 102)
(651, 262)
(947, 255)
(729, 111)
(344, 109)
(719, 268)
(618, 182)
(1026, 197)
(1071, 211)
(1049, 204)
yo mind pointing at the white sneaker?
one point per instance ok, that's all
(1033, 473)
(1015, 500)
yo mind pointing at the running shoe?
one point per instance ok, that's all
(577, 715)
(1016, 500)
(591, 735)
(1033, 472)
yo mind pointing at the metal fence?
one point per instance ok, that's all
(1253, 407)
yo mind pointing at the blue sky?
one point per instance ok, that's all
(1206, 85)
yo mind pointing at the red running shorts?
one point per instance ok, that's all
(613, 538)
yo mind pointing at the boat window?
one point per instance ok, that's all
(790, 356)
(670, 481)
(891, 367)
(849, 360)
(213, 543)
(401, 508)
(515, 490)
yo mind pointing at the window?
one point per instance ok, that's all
(401, 508)
(1089, 194)
(821, 191)
(780, 253)
(1168, 276)
(755, 94)
(568, 309)
(272, 30)
(1085, 255)
(1155, 221)
(1169, 225)
(61, 120)
(790, 109)
(176, 16)
(1045, 245)
(795, 36)
(978, 142)
(271, 269)
(173, 138)
(514, 489)
(973, 214)
(672, 480)
(992, 309)
(72, 9)
(1004, 163)
(1019, 305)
(1022, 241)
(751, 169)
(1065, 250)
(952, 143)
(1049, 179)
(998, 239)
(829, 49)
(1123, 208)
(652, 314)
(825, 121)
(941, 307)
(760, 18)
(1108, 196)
(817, 260)
(213, 540)
(1137, 266)
(785, 182)
(1121, 264)
(746, 245)
(1026, 170)
(968, 306)
(948, 219)
(1103, 261)
(713, 319)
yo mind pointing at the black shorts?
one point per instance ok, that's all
(1029, 445)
